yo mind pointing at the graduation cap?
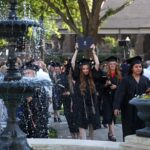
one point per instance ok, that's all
(57, 64)
(29, 65)
(111, 58)
(85, 61)
(134, 60)
(52, 64)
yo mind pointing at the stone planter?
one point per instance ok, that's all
(143, 107)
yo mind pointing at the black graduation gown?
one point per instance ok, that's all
(67, 101)
(127, 89)
(99, 80)
(108, 99)
(56, 93)
(34, 115)
(85, 106)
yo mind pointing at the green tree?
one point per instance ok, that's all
(81, 16)
(3, 43)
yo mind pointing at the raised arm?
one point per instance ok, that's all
(96, 60)
(73, 60)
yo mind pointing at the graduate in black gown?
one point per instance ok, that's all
(85, 95)
(57, 92)
(134, 84)
(99, 80)
(33, 111)
(113, 79)
(66, 83)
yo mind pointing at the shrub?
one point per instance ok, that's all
(52, 133)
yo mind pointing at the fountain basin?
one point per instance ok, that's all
(15, 28)
(15, 89)
(143, 107)
(67, 144)
(20, 88)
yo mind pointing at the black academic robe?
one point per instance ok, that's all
(108, 99)
(85, 106)
(127, 89)
(67, 101)
(33, 115)
(99, 80)
(57, 93)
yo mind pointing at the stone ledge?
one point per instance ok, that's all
(134, 147)
(137, 140)
(134, 142)
(67, 144)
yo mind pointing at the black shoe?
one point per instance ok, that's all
(111, 138)
(59, 120)
(55, 120)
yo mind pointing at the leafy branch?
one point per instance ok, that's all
(65, 19)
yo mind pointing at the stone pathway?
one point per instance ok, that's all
(63, 131)
(100, 134)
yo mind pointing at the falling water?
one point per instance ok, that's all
(25, 10)
(3, 10)
(29, 12)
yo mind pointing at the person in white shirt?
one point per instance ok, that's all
(146, 71)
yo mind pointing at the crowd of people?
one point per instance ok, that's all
(92, 94)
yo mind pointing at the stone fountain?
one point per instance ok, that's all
(13, 88)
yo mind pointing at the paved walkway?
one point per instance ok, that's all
(100, 134)
(63, 131)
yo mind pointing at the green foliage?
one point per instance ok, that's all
(117, 49)
(37, 10)
(52, 133)
(55, 58)
(145, 97)
(70, 12)
(30, 32)
(3, 43)
(110, 41)
(118, 119)
(40, 8)
(113, 44)
(51, 28)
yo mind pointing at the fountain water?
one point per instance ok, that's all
(13, 88)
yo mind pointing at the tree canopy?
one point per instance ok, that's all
(79, 16)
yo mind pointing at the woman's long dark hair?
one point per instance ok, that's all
(83, 82)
